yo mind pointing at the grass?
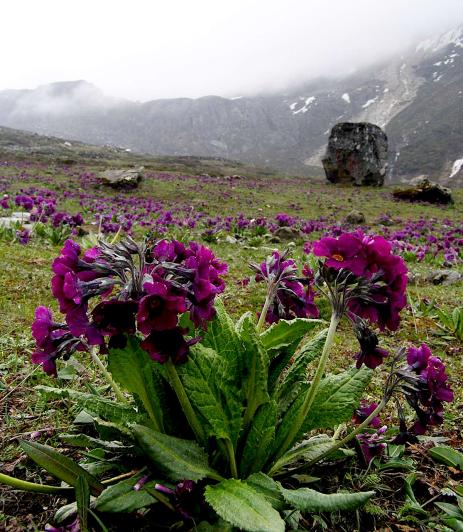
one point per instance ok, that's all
(25, 283)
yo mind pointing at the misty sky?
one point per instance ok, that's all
(144, 49)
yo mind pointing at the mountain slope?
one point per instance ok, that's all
(416, 98)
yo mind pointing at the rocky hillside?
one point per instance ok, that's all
(417, 98)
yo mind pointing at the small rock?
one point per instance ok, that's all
(230, 239)
(129, 178)
(445, 277)
(422, 189)
(287, 233)
(21, 216)
(355, 218)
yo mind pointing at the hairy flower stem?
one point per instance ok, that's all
(231, 458)
(268, 301)
(23, 485)
(311, 394)
(108, 377)
(182, 396)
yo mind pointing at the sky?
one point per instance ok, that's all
(146, 49)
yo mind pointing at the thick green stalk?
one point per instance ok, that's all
(263, 314)
(31, 486)
(179, 390)
(231, 458)
(311, 394)
(108, 377)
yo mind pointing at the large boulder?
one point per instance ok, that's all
(356, 154)
(125, 179)
(422, 189)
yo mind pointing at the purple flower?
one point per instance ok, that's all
(362, 413)
(53, 340)
(372, 444)
(433, 389)
(369, 258)
(370, 354)
(293, 296)
(165, 344)
(160, 308)
(115, 317)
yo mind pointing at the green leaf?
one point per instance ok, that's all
(83, 502)
(285, 333)
(82, 440)
(336, 399)
(447, 456)
(94, 404)
(453, 523)
(121, 497)
(175, 457)
(451, 510)
(134, 370)
(291, 379)
(222, 337)
(267, 487)
(308, 500)
(307, 450)
(244, 507)
(256, 365)
(204, 379)
(259, 440)
(59, 465)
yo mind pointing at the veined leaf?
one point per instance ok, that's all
(212, 396)
(308, 500)
(337, 398)
(307, 450)
(83, 502)
(177, 458)
(447, 455)
(256, 365)
(58, 465)
(94, 404)
(269, 488)
(285, 333)
(221, 335)
(244, 507)
(121, 497)
(134, 370)
(259, 440)
(335, 402)
(287, 390)
(83, 440)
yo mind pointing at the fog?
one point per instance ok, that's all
(145, 49)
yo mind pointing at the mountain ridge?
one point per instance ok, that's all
(415, 97)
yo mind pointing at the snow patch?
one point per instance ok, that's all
(434, 44)
(346, 97)
(307, 105)
(457, 166)
(369, 102)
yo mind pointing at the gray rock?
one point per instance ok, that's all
(356, 154)
(444, 277)
(287, 233)
(422, 189)
(355, 218)
(21, 216)
(122, 179)
(230, 239)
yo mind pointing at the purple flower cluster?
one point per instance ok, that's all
(136, 288)
(370, 258)
(433, 388)
(292, 295)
